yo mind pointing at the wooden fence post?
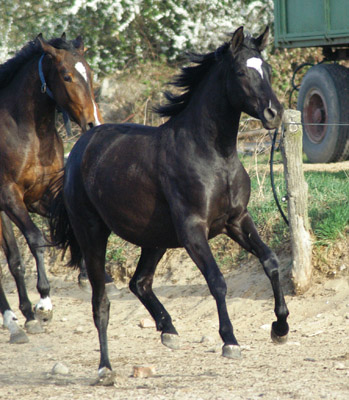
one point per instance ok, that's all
(297, 193)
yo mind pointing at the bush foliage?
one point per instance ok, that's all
(120, 32)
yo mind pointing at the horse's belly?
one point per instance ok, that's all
(138, 218)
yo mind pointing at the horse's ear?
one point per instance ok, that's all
(79, 45)
(237, 39)
(64, 37)
(262, 40)
(46, 47)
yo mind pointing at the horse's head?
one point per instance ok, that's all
(69, 78)
(251, 75)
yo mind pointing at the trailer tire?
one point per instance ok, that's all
(324, 98)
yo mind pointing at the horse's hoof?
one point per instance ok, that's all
(111, 289)
(231, 351)
(43, 316)
(19, 337)
(279, 336)
(171, 341)
(34, 327)
(278, 339)
(106, 377)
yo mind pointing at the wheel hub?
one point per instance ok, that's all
(315, 112)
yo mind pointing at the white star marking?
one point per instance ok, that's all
(255, 63)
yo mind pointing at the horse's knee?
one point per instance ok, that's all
(271, 265)
(16, 267)
(140, 285)
(218, 287)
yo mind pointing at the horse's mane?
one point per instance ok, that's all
(9, 69)
(191, 76)
(188, 79)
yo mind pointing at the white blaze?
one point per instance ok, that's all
(97, 121)
(255, 63)
(79, 66)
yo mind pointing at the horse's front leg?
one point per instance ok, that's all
(244, 232)
(17, 270)
(10, 321)
(11, 202)
(194, 239)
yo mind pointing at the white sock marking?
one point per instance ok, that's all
(10, 321)
(44, 304)
(79, 66)
(255, 63)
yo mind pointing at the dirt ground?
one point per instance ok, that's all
(314, 364)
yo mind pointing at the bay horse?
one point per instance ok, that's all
(41, 77)
(176, 185)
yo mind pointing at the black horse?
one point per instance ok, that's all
(176, 185)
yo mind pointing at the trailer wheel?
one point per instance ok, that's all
(324, 99)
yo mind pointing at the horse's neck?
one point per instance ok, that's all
(39, 108)
(213, 119)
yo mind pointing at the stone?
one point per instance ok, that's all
(147, 323)
(60, 369)
(143, 371)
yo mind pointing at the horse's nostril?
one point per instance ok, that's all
(269, 114)
(91, 125)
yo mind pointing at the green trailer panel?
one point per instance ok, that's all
(310, 23)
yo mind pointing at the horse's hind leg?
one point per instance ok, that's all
(17, 269)
(92, 238)
(245, 233)
(141, 286)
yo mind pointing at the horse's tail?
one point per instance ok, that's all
(61, 231)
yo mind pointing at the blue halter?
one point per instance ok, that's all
(47, 90)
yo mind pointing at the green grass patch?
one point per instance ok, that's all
(328, 205)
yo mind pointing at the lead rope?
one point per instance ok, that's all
(272, 176)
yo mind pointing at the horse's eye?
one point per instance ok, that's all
(67, 78)
(240, 73)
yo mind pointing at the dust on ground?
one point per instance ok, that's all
(314, 364)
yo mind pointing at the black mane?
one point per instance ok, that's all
(9, 69)
(188, 80)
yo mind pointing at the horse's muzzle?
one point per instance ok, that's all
(272, 118)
